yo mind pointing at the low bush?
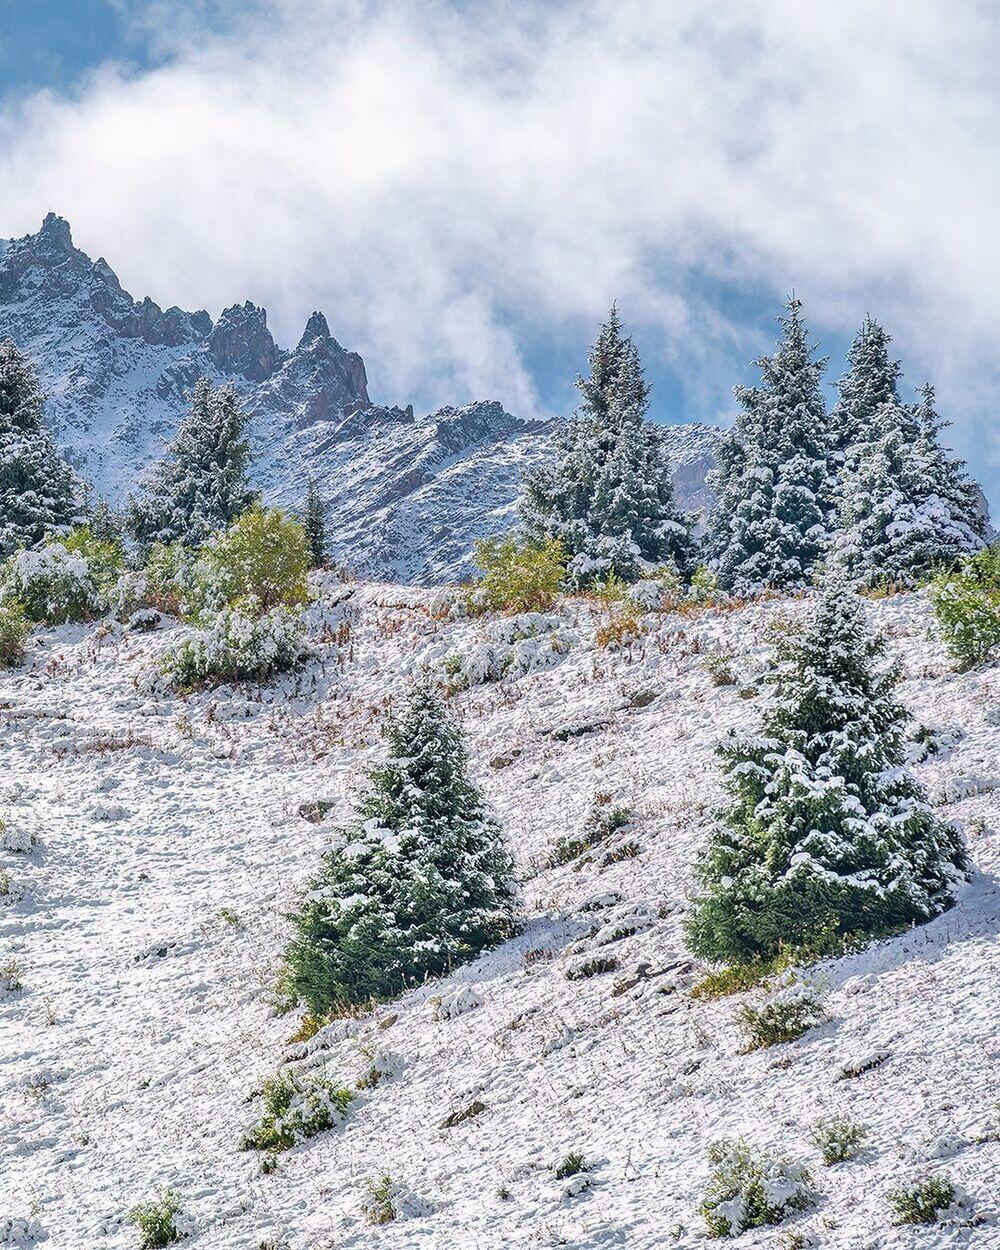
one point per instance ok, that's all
(749, 1189)
(923, 1203)
(602, 820)
(378, 1204)
(14, 630)
(837, 1138)
(296, 1107)
(237, 646)
(573, 1163)
(263, 558)
(155, 1221)
(967, 607)
(787, 1016)
(67, 580)
(516, 576)
(167, 578)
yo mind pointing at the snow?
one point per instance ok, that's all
(147, 920)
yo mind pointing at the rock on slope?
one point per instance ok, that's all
(407, 495)
(147, 923)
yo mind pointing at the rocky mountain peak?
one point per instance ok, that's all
(316, 328)
(241, 343)
(55, 234)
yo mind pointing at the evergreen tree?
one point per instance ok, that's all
(871, 382)
(314, 521)
(608, 495)
(201, 485)
(825, 833)
(770, 523)
(907, 508)
(104, 524)
(39, 493)
(422, 882)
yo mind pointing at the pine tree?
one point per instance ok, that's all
(825, 834)
(770, 524)
(608, 495)
(314, 521)
(39, 493)
(907, 509)
(201, 485)
(422, 882)
(104, 524)
(871, 382)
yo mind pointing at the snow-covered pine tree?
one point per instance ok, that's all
(907, 509)
(421, 882)
(39, 492)
(314, 522)
(825, 833)
(770, 524)
(104, 524)
(608, 494)
(871, 381)
(201, 484)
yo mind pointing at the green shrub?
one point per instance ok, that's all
(785, 1018)
(378, 1204)
(571, 1165)
(262, 558)
(14, 630)
(68, 579)
(704, 587)
(967, 607)
(750, 1189)
(237, 646)
(837, 1138)
(167, 575)
(923, 1203)
(719, 667)
(601, 822)
(519, 577)
(295, 1109)
(155, 1221)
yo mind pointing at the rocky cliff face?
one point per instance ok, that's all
(406, 495)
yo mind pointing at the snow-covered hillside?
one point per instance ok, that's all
(166, 845)
(406, 495)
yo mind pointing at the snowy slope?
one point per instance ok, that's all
(407, 495)
(148, 922)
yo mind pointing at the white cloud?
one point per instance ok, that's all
(449, 183)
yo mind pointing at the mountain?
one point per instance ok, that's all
(406, 495)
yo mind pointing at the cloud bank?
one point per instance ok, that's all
(464, 188)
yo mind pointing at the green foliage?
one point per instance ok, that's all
(571, 1165)
(378, 1203)
(14, 630)
(923, 1203)
(837, 1138)
(421, 881)
(155, 1221)
(749, 1189)
(517, 576)
(783, 1019)
(967, 607)
(167, 574)
(314, 524)
(601, 822)
(260, 562)
(296, 1107)
(237, 646)
(68, 579)
(825, 834)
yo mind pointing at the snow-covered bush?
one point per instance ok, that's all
(296, 1107)
(378, 1204)
(16, 1232)
(420, 882)
(825, 834)
(967, 607)
(156, 1221)
(237, 646)
(517, 576)
(837, 1138)
(750, 1189)
(68, 579)
(167, 576)
(262, 559)
(790, 1013)
(925, 1202)
(603, 819)
(14, 630)
(513, 647)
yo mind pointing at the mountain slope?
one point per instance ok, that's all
(407, 495)
(148, 921)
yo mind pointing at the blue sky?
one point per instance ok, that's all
(464, 188)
